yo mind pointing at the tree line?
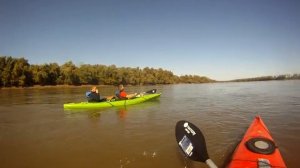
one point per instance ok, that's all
(18, 72)
(268, 78)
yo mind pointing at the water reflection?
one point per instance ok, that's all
(122, 112)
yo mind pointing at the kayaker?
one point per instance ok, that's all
(121, 94)
(93, 95)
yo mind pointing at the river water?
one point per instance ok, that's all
(35, 130)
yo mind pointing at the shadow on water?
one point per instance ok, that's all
(185, 162)
(90, 112)
(229, 152)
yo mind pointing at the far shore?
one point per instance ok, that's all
(102, 85)
(51, 86)
(66, 86)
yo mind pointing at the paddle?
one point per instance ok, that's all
(152, 91)
(191, 141)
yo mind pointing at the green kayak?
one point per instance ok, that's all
(87, 105)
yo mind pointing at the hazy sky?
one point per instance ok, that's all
(221, 39)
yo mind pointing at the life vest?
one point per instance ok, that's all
(121, 94)
(92, 96)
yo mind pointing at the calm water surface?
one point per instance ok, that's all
(35, 130)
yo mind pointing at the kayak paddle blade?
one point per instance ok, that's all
(191, 141)
(151, 91)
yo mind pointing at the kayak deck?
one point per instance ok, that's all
(117, 103)
(255, 149)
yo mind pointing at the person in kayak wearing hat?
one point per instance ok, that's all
(121, 94)
(94, 96)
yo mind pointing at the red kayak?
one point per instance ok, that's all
(257, 149)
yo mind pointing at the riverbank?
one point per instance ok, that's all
(101, 85)
(18, 72)
(68, 86)
(52, 86)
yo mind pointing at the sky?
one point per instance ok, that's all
(220, 39)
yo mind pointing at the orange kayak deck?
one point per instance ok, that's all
(243, 157)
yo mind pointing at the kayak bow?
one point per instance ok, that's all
(257, 149)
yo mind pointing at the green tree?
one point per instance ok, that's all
(2, 66)
(18, 72)
(21, 75)
(6, 72)
(68, 74)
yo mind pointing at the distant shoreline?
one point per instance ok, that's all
(241, 81)
(69, 86)
(51, 86)
(18, 73)
(101, 85)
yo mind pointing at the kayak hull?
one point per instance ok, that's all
(118, 103)
(245, 157)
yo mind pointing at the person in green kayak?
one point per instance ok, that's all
(121, 94)
(94, 96)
